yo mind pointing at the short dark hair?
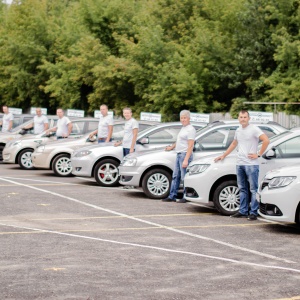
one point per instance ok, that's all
(244, 111)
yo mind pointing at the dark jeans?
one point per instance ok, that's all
(126, 151)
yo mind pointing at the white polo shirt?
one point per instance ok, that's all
(5, 121)
(62, 126)
(39, 123)
(104, 122)
(128, 134)
(185, 134)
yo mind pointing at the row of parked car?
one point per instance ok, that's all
(150, 167)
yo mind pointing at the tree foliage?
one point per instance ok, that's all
(158, 56)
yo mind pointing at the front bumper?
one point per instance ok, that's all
(278, 204)
(81, 166)
(130, 175)
(9, 155)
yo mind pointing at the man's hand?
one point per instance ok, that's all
(253, 156)
(219, 158)
(185, 163)
(118, 143)
(169, 148)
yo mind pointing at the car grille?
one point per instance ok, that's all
(264, 184)
(262, 208)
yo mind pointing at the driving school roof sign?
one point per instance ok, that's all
(261, 116)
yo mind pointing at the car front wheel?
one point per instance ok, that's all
(61, 165)
(24, 159)
(226, 198)
(1, 150)
(156, 184)
(106, 172)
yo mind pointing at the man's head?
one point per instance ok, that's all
(244, 118)
(104, 110)
(38, 111)
(185, 117)
(60, 113)
(5, 109)
(127, 113)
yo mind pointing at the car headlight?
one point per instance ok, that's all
(196, 169)
(129, 162)
(278, 182)
(82, 153)
(40, 149)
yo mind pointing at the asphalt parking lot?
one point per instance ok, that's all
(67, 238)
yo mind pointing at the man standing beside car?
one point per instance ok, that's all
(131, 129)
(40, 122)
(7, 119)
(105, 126)
(247, 137)
(64, 125)
(184, 148)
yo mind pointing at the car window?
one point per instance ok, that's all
(218, 139)
(267, 130)
(92, 125)
(78, 127)
(165, 135)
(118, 132)
(289, 149)
(143, 126)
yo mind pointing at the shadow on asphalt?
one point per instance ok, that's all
(291, 228)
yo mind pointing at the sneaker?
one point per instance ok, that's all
(252, 218)
(238, 215)
(168, 200)
(180, 200)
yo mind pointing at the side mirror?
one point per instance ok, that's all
(143, 141)
(270, 154)
(196, 146)
(92, 139)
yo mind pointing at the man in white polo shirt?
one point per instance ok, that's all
(105, 126)
(40, 122)
(184, 148)
(64, 125)
(131, 129)
(7, 119)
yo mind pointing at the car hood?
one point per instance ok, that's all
(210, 158)
(65, 143)
(284, 171)
(147, 152)
(97, 147)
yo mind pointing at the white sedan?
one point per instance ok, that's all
(207, 181)
(279, 195)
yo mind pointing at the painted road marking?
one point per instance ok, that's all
(160, 249)
(154, 224)
(54, 269)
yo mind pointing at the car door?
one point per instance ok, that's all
(285, 154)
(158, 138)
(215, 140)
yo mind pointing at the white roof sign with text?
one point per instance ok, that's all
(145, 116)
(75, 113)
(196, 117)
(261, 116)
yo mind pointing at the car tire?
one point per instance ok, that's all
(61, 165)
(297, 216)
(24, 159)
(1, 152)
(226, 198)
(106, 172)
(156, 183)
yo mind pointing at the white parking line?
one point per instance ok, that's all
(153, 224)
(157, 248)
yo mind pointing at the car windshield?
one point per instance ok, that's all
(16, 129)
(276, 137)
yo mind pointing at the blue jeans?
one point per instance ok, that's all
(178, 174)
(126, 151)
(102, 140)
(247, 174)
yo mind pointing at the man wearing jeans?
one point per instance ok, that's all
(131, 129)
(184, 148)
(247, 137)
